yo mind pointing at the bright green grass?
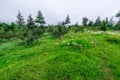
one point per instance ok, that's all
(76, 56)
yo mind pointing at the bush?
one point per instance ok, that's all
(7, 35)
(59, 30)
(113, 40)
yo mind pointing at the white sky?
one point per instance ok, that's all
(56, 10)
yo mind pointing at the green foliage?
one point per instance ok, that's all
(47, 60)
(7, 31)
(111, 23)
(40, 19)
(85, 21)
(97, 21)
(5, 27)
(76, 44)
(20, 22)
(30, 22)
(32, 33)
(118, 14)
(85, 53)
(12, 26)
(113, 39)
(62, 29)
(104, 24)
(90, 23)
(118, 23)
(8, 27)
(67, 21)
(34, 29)
(59, 30)
(77, 28)
(6, 35)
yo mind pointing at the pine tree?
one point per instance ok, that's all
(118, 23)
(40, 19)
(111, 22)
(20, 22)
(77, 27)
(12, 26)
(90, 23)
(97, 21)
(31, 35)
(30, 22)
(118, 14)
(84, 21)
(104, 25)
(67, 21)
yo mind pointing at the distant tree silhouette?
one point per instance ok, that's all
(5, 26)
(20, 22)
(40, 19)
(90, 23)
(97, 21)
(12, 26)
(111, 22)
(118, 23)
(104, 25)
(30, 22)
(85, 21)
(118, 14)
(67, 21)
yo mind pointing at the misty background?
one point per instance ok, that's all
(57, 10)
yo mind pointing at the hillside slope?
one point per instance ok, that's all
(76, 56)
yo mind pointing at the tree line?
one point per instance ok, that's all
(33, 29)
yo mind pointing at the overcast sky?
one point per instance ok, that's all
(56, 10)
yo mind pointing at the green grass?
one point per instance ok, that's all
(75, 56)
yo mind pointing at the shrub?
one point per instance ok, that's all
(59, 30)
(113, 40)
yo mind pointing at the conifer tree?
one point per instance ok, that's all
(118, 23)
(84, 21)
(104, 25)
(90, 23)
(20, 20)
(40, 19)
(118, 14)
(111, 22)
(30, 22)
(97, 21)
(67, 21)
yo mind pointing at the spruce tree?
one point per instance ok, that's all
(111, 22)
(84, 21)
(118, 14)
(67, 21)
(104, 25)
(97, 21)
(90, 23)
(20, 20)
(31, 32)
(30, 22)
(40, 19)
(118, 23)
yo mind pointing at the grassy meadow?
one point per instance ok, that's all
(91, 55)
